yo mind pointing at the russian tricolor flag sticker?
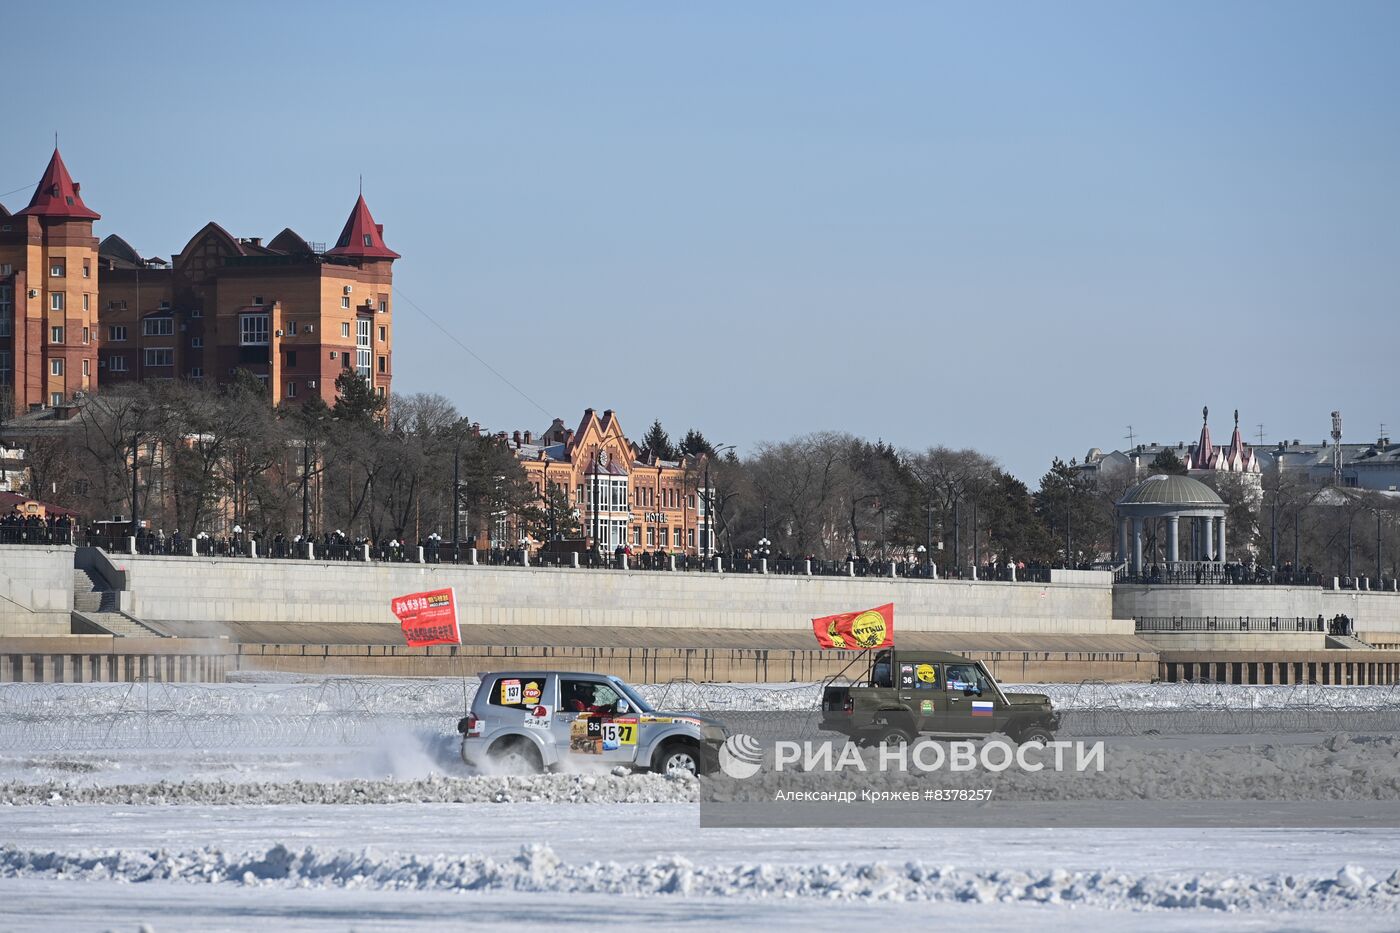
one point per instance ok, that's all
(981, 708)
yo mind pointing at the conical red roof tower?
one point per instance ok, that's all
(57, 195)
(362, 238)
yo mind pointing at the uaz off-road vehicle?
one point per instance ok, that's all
(933, 694)
(527, 721)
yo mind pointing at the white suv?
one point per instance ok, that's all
(530, 721)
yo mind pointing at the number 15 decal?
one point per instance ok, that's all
(623, 733)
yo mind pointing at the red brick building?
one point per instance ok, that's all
(48, 295)
(75, 316)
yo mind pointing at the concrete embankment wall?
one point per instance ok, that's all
(1376, 614)
(36, 589)
(80, 659)
(241, 590)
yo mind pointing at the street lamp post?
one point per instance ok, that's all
(957, 536)
(135, 501)
(1068, 546)
(1378, 547)
(975, 549)
(305, 491)
(457, 500)
(709, 497)
(1273, 533)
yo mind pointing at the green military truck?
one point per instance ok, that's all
(932, 694)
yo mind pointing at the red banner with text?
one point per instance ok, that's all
(428, 618)
(857, 631)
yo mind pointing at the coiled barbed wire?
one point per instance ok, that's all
(354, 712)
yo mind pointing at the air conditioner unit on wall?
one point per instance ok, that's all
(310, 328)
(311, 383)
(349, 289)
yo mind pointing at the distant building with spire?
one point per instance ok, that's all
(76, 315)
(1203, 459)
(48, 295)
(1237, 458)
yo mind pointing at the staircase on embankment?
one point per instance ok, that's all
(95, 606)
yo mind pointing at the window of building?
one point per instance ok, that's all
(381, 333)
(56, 301)
(257, 301)
(116, 304)
(334, 355)
(56, 268)
(87, 269)
(383, 306)
(55, 399)
(116, 332)
(6, 269)
(6, 328)
(86, 335)
(196, 372)
(159, 356)
(7, 301)
(117, 364)
(291, 358)
(158, 327)
(363, 355)
(383, 364)
(197, 343)
(196, 312)
(292, 393)
(636, 535)
(381, 391)
(651, 536)
(55, 367)
(55, 335)
(345, 328)
(369, 240)
(87, 302)
(5, 367)
(253, 330)
(676, 537)
(87, 367)
(292, 328)
(690, 537)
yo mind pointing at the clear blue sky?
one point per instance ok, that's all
(1017, 227)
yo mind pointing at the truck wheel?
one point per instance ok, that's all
(892, 736)
(678, 756)
(1036, 734)
(515, 756)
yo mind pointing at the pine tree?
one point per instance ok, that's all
(659, 442)
(694, 444)
(1168, 462)
(355, 399)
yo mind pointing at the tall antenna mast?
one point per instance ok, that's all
(1336, 448)
(1131, 437)
(1261, 435)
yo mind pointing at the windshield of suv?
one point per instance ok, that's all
(632, 695)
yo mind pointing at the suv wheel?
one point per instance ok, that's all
(677, 756)
(1035, 734)
(892, 736)
(515, 756)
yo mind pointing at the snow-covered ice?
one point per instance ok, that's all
(386, 830)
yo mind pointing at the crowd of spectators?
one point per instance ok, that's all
(20, 528)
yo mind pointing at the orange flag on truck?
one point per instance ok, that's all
(857, 631)
(428, 618)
